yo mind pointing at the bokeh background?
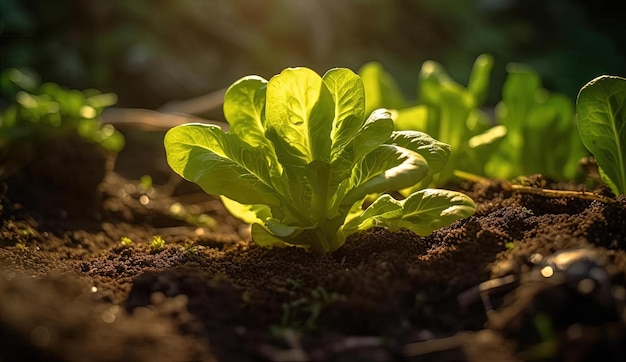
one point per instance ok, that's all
(151, 52)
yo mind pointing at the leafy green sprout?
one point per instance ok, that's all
(191, 248)
(157, 243)
(510, 245)
(126, 241)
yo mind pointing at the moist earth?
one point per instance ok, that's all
(73, 291)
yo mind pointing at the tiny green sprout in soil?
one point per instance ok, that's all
(157, 244)
(126, 241)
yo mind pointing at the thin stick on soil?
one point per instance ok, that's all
(507, 185)
(560, 193)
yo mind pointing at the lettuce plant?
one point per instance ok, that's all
(602, 126)
(300, 158)
(445, 109)
(534, 119)
(518, 141)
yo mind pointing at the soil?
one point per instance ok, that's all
(71, 290)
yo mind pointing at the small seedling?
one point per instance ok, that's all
(191, 248)
(126, 241)
(157, 244)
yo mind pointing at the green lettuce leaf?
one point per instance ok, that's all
(299, 113)
(602, 125)
(534, 118)
(381, 90)
(200, 152)
(422, 212)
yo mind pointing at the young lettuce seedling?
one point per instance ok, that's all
(602, 126)
(300, 158)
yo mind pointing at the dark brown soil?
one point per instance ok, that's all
(71, 291)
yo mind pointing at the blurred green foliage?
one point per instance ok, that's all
(37, 111)
(530, 130)
(541, 132)
(152, 51)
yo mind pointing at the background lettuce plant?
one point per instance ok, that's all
(602, 126)
(301, 157)
(517, 140)
(44, 111)
(541, 133)
(445, 109)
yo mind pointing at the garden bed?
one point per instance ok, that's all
(72, 291)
